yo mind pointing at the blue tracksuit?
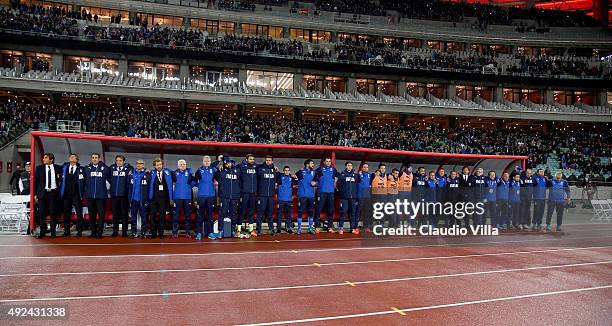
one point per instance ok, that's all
(285, 200)
(347, 190)
(229, 194)
(305, 196)
(479, 190)
(95, 181)
(419, 186)
(527, 184)
(559, 192)
(491, 200)
(266, 181)
(138, 187)
(119, 180)
(364, 195)
(205, 181)
(514, 199)
(325, 177)
(441, 185)
(248, 189)
(432, 194)
(503, 188)
(539, 199)
(182, 195)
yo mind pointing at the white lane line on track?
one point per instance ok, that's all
(309, 286)
(294, 251)
(243, 241)
(448, 305)
(513, 253)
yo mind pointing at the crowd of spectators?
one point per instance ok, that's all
(363, 50)
(576, 150)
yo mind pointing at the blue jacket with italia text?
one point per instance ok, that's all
(95, 181)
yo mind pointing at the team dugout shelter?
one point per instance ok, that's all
(63, 144)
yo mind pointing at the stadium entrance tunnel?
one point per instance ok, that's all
(63, 144)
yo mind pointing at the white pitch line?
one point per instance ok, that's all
(309, 286)
(449, 305)
(359, 262)
(291, 250)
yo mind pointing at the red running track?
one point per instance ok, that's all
(515, 279)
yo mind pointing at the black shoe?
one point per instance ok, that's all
(279, 231)
(132, 236)
(289, 231)
(142, 236)
(272, 232)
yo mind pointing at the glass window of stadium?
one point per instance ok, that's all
(26, 60)
(375, 87)
(213, 76)
(516, 95)
(161, 20)
(421, 89)
(413, 43)
(270, 80)
(214, 26)
(526, 50)
(491, 48)
(446, 46)
(153, 71)
(571, 97)
(265, 30)
(95, 66)
(320, 83)
(310, 35)
(44, 4)
(469, 92)
(105, 14)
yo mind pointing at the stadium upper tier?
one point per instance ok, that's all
(241, 93)
(373, 52)
(522, 32)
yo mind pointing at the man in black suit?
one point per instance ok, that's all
(466, 183)
(46, 195)
(71, 193)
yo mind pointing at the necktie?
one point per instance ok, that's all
(72, 170)
(49, 177)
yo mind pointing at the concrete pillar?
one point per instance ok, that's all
(298, 80)
(351, 84)
(403, 118)
(499, 124)
(451, 90)
(498, 95)
(548, 126)
(297, 113)
(242, 75)
(452, 122)
(548, 96)
(565, 52)
(601, 98)
(183, 106)
(184, 70)
(334, 37)
(285, 32)
(56, 98)
(351, 116)
(401, 88)
(121, 103)
(241, 110)
(237, 28)
(186, 22)
(123, 67)
(57, 61)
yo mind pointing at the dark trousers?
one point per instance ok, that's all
(515, 212)
(158, 209)
(48, 205)
(120, 207)
(137, 208)
(558, 206)
(491, 210)
(96, 215)
(247, 207)
(305, 204)
(70, 202)
(284, 208)
(503, 212)
(205, 214)
(377, 198)
(364, 212)
(264, 211)
(228, 208)
(538, 211)
(185, 206)
(526, 211)
(326, 200)
(348, 206)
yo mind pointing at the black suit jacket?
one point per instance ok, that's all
(39, 179)
(467, 193)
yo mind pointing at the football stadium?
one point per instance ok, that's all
(341, 162)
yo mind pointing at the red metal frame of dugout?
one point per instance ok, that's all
(330, 149)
